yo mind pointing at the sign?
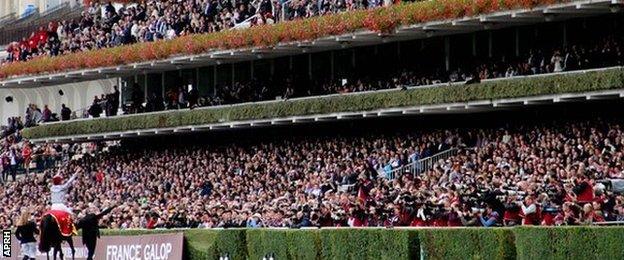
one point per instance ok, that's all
(140, 247)
(6, 243)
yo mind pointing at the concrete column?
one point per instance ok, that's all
(251, 70)
(474, 44)
(145, 95)
(490, 44)
(162, 84)
(309, 65)
(331, 64)
(517, 42)
(447, 53)
(565, 34)
(214, 86)
(233, 74)
(196, 84)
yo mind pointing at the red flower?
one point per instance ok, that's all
(384, 20)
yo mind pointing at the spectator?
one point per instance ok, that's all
(25, 233)
(95, 110)
(65, 112)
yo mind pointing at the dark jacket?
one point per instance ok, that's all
(26, 233)
(90, 226)
(95, 110)
(65, 113)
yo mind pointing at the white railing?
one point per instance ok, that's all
(246, 23)
(283, 10)
(421, 165)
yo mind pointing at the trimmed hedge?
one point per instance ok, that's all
(461, 243)
(284, 244)
(583, 242)
(369, 244)
(510, 88)
(381, 20)
(570, 243)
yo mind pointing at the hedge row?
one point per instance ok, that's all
(382, 20)
(510, 88)
(451, 243)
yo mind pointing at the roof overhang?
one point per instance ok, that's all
(491, 21)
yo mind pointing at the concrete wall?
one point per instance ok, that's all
(76, 96)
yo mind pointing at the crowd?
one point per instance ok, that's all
(559, 173)
(104, 24)
(14, 124)
(602, 53)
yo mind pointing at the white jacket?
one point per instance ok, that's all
(59, 192)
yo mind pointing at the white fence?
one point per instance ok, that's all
(422, 165)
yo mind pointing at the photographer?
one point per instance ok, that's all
(511, 217)
(529, 211)
(489, 218)
(569, 215)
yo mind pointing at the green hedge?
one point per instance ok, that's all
(381, 243)
(570, 243)
(511, 88)
(463, 243)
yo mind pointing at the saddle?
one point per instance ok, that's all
(64, 222)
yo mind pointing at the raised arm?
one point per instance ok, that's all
(106, 211)
(69, 182)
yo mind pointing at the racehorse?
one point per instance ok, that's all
(56, 226)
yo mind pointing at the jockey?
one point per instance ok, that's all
(59, 192)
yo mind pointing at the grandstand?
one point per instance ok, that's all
(414, 124)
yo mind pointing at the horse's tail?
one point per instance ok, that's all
(50, 233)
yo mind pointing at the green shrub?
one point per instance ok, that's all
(369, 244)
(570, 242)
(284, 244)
(510, 88)
(468, 243)
(395, 244)
(213, 243)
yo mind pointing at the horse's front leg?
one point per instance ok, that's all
(60, 251)
(70, 241)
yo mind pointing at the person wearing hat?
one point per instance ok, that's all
(59, 192)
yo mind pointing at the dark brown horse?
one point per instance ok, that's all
(52, 237)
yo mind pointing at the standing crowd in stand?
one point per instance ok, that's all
(557, 173)
(104, 25)
(604, 52)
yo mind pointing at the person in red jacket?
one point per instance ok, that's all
(583, 190)
(42, 35)
(529, 211)
(26, 155)
(511, 217)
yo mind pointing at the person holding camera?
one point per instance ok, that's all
(490, 217)
(529, 211)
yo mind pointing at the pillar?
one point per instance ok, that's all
(447, 53)
(490, 44)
